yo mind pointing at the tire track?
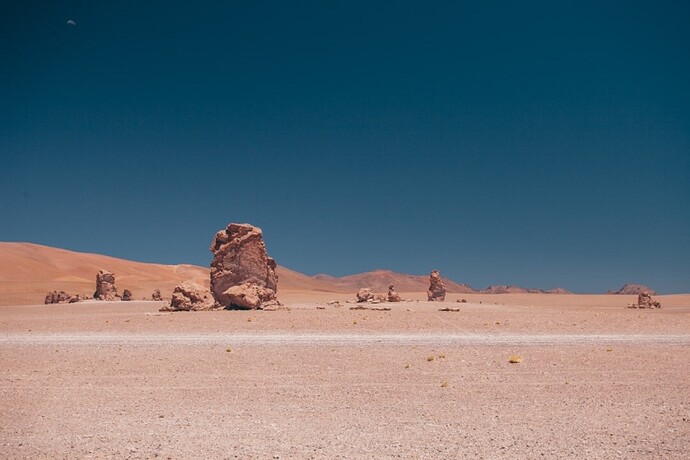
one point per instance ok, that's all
(335, 339)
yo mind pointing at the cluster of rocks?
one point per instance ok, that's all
(61, 297)
(367, 295)
(105, 290)
(436, 292)
(644, 300)
(243, 276)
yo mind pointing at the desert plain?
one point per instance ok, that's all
(317, 379)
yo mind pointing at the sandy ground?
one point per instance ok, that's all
(122, 380)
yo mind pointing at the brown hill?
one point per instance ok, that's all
(379, 280)
(510, 289)
(633, 289)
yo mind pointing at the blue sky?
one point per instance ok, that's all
(534, 143)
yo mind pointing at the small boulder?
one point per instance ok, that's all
(437, 290)
(249, 296)
(127, 295)
(189, 296)
(156, 295)
(364, 295)
(393, 296)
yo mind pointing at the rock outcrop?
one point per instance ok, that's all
(364, 295)
(189, 296)
(393, 296)
(105, 286)
(241, 271)
(127, 295)
(156, 295)
(437, 290)
(61, 297)
(644, 300)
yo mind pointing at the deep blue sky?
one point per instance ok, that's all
(520, 142)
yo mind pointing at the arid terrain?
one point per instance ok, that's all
(120, 379)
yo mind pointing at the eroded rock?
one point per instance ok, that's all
(127, 295)
(189, 296)
(241, 271)
(156, 295)
(248, 296)
(644, 300)
(364, 295)
(393, 296)
(105, 286)
(437, 290)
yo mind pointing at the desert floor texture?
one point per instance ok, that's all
(122, 380)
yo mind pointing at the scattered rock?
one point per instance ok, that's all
(437, 290)
(189, 296)
(126, 295)
(364, 295)
(60, 297)
(376, 308)
(242, 274)
(105, 286)
(515, 359)
(393, 296)
(449, 309)
(462, 301)
(320, 307)
(156, 295)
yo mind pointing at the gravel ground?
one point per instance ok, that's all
(123, 381)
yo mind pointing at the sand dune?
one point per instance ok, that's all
(28, 271)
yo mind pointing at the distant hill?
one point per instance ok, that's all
(633, 289)
(379, 280)
(509, 289)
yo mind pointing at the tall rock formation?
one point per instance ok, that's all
(242, 274)
(437, 290)
(105, 286)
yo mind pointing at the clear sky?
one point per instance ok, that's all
(536, 143)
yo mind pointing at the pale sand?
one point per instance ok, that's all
(122, 380)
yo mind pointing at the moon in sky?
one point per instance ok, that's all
(71, 23)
